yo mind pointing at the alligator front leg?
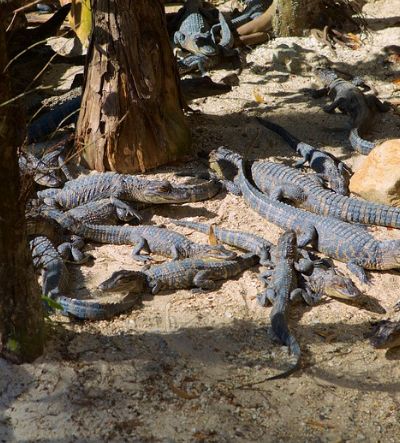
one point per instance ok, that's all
(339, 103)
(354, 267)
(141, 244)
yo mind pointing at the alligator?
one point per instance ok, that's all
(242, 240)
(387, 335)
(322, 280)
(350, 100)
(102, 212)
(281, 290)
(333, 237)
(327, 281)
(204, 62)
(121, 186)
(68, 245)
(181, 274)
(56, 281)
(42, 175)
(193, 33)
(327, 166)
(280, 181)
(67, 112)
(151, 239)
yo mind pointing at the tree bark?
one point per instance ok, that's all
(294, 17)
(131, 117)
(21, 316)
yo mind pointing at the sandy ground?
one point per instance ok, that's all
(175, 368)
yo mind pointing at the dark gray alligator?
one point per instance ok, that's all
(56, 281)
(180, 274)
(350, 100)
(148, 238)
(224, 50)
(333, 237)
(281, 290)
(194, 34)
(327, 166)
(387, 335)
(280, 181)
(42, 174)
(125, 187)
(321, 281)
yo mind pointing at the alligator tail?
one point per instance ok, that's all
(291, 140)
(358, 144)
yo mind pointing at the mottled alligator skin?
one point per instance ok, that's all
(194, 34)
(281, 289)
(204, 62)
(387, 335)
(350, 100)
(242, 240)
(149, 238)
(100, 212)
(125, 187)
(327, 166)
(330, 282)
(42, 174)
(68, 245)
(180, 274)
(335, 238)
(280, 181)
(321, 281)
(54, 271)
(56, 281)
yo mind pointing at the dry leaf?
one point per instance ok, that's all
(181, 393)
(212, 239)
(397, 81)
(354, 37)
(258, 97)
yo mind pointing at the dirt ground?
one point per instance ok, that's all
(176, 368)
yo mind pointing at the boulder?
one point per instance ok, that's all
(378, 178)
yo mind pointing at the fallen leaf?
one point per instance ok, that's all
(397, 81)
(212, 239)
(258, 97)
(181, 393)
(328, 336)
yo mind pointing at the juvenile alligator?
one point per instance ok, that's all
(242, 240)
(350, 100)
(281, 290)
(56, 281)
(335, 238)
(67, 112)
(387, 335)
(181, 274)
(321, 281)
(203, 62)
(119, 186)
(42, 175)
(149, 238)
(327, 166)
(194, 34)
(280, 181)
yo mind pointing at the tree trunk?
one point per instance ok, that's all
(21, 316)
(294, 17)
(131, 116)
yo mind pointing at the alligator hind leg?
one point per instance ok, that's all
(203, 282)
(141, 245)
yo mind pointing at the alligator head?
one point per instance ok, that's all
(125, 281)
(387, 335)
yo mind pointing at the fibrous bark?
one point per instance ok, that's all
(131, 117)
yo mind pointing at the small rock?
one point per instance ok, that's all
(378, 178)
